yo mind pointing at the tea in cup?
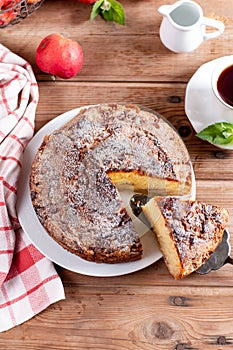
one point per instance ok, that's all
(222, 81)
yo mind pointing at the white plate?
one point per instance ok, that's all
(202, 107)
(49, 247)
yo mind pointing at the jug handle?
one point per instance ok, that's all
(209, 22)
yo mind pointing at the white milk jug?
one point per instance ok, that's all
(183, 27)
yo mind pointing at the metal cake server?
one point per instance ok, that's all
(218, 258)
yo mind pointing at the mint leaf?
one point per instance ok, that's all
(96, 9)
(218, 133)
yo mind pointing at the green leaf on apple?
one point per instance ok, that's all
(219, 133)
(96, 9)
(110, 10)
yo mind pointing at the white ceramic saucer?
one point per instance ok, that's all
(202, 107)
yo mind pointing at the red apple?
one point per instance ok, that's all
(59, 56)
(87, 1)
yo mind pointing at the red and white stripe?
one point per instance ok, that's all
(28, 280)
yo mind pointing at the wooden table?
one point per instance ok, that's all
(146, 309)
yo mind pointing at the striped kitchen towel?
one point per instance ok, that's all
(28, 280)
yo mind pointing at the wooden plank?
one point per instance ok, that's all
(140, 317)
(146, 309)
(209, 162)
(118, 53)
(155, 275)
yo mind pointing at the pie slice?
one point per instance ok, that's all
(188, 231)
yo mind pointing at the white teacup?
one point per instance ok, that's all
(222, 81)
(208, 106)
(183, 27)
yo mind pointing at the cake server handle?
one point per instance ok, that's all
(220, 256)
(137, 201)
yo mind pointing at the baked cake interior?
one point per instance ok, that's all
(143, 183)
